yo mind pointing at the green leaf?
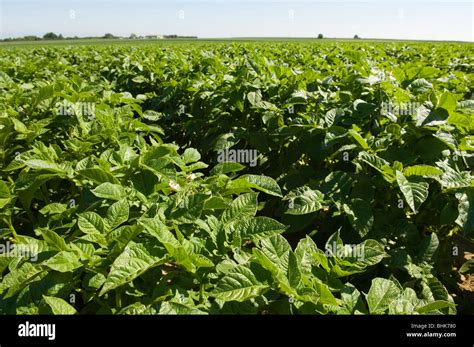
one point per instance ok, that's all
(38, 164)
(28, 185)
(110, 191)
(421, 85)
(216, 203)
(54, 208)
(352, 300)
(435, 306)
(63, 262)
(258, 228)
(405, 303)
(332, 116)
(453, 178)
(239, 284)
(117, 214)
(368, 253)
(5, 196)
(276, 249)
(465, 218)
(183, 255)
(414, 189)
(225, 168)
(360, 140)
(351, 259)
(379, 164)
(433, 289)
(54, 240)
(254, 98)
(91, 222)
(284, 266)
(98, 175)
(265, 184)
(59, 306)
(466, 104)
(137, 258)
(20, 126)
(224, 141)
(310, 255)
(243, 206)
(157, 229)
(426, 171)
(428, 248)
(461, 121)
(44, 93)
(304, 200)
(428, 72)
(447, 101)
(171, 308)
(138, 79)
(190, 208)
(334, 241)
(152, 115)
(294, 273)
(360, 216)
(191, 155)
(381, 294)
(467, 267)
(18, 278)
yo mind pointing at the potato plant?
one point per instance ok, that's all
(114, 198)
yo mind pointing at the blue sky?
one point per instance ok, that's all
(403, 19)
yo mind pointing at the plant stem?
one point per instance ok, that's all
(118, 298)
(10, 226)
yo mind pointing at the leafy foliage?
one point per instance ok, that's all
(127, 210)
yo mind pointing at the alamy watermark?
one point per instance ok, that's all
(242, 156)
(400, 108)
(28, 329)
(16, 250)
(345, 251)
(67, 108)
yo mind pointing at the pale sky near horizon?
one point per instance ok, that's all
(397, 19)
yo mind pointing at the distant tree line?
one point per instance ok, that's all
(47, 36)
(54, 36)
(321, 36)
